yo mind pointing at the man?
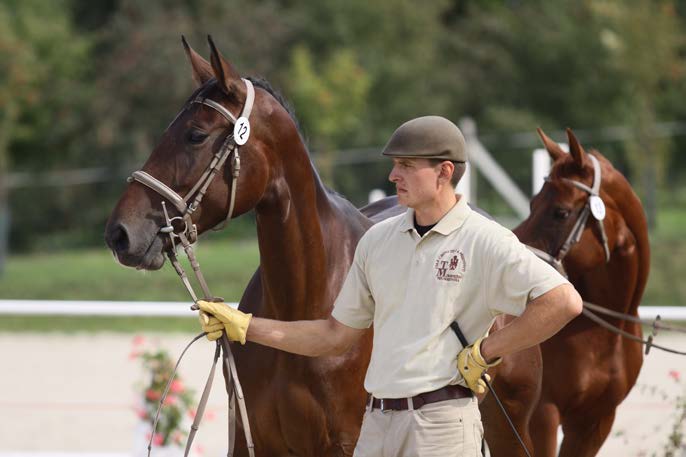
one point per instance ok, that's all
(412, 276)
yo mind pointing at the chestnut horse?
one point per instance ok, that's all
(307, 237)
(588, 370)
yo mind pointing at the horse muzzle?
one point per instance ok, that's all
(133, 249)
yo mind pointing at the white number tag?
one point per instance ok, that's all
(241, 131)
(597, 207)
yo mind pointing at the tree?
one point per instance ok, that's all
(41, 63)
(648, 67)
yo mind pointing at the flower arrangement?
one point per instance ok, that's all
(177, 406)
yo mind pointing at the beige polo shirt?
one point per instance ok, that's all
(466, 268)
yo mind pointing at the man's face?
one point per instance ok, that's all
(416, 181)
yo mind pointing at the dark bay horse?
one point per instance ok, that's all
(307, 237)
(588, 370)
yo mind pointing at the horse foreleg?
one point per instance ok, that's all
(544, 425)
(517, 384)
(585, 435)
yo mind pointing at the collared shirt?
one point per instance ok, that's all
(466, 268)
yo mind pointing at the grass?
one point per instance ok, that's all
(94, 275)
(228, 265)
(81, 324)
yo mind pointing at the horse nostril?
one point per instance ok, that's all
(118, 239)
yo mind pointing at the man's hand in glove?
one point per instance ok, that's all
(216, 317)
(472, 365)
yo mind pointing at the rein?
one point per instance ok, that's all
(590, 310)
(181, 230)
(595, 207)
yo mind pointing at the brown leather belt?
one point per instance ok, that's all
(399, 404)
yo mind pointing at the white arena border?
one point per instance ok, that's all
(182, 309)
(98, 308)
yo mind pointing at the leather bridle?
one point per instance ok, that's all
(594, 207)
(187, 232)
(183, 230)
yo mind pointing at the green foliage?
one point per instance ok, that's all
(48, 61)
(332, 97)
(95, 84)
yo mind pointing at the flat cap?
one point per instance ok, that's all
(427, 137)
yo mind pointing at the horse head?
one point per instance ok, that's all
(578, 214)
(203, 168)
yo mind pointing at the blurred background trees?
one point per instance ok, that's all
(91, 85)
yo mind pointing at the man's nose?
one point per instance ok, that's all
(393, 176)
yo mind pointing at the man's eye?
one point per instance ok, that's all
(196, 136)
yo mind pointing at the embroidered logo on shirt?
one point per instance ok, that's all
(450, 265)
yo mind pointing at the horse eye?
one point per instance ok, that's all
(196, 136)
(561, 213)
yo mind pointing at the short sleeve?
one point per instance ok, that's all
(516, 276)
(354, 305)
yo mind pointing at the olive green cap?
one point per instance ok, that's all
(428, 137)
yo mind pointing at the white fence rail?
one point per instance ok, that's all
(182, 309)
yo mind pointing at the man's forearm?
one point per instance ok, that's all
(311, 338)
(542, 318)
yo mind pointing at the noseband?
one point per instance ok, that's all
(594, 207)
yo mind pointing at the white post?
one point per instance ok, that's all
(464, 186)
(541, 167)
(489, 168)
(376, 195)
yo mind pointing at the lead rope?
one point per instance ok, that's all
(233, 385)
(647, 343)
(460, 336)
(186, 237)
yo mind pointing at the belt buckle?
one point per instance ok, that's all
(382, 408)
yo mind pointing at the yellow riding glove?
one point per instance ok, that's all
(218, 317)
(472, 365)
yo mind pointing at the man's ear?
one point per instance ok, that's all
(447, 169)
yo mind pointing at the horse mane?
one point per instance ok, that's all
(262, 83)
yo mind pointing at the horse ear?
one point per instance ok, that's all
(576, 150)
(554, 149)
(228, 78)
(202, 71)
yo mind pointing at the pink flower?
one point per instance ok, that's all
(152, 395)
(138, 340)
(199, 449)
(141, 413)
(176, 386)
(158, 439)
(192, 413)
(675, 375)
(171, 400)
(134, 355)
(210, 415)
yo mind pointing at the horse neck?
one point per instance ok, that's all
(300, 229)
(621, 282)
(630, 206)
